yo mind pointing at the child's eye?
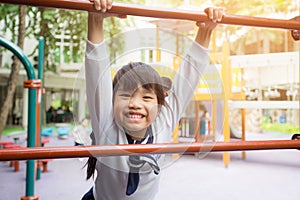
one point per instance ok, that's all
(148, 97)
(124, 95)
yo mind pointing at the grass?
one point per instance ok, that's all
(281, 128)
(9, 130)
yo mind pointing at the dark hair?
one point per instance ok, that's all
(91, 163)
(129, 77)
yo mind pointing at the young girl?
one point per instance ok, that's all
(133, 109)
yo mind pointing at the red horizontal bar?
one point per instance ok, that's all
(122, 150)
(141, 10)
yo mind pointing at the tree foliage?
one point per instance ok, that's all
(8, 17)
(50, 22)
(13, 77)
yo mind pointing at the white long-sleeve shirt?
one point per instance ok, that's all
(112, 172)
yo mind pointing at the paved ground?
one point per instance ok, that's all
(262, 175)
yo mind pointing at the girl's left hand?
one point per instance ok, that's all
(296, 33)
(102, 5)
(214, 15)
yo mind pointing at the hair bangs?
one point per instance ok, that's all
(137, 74)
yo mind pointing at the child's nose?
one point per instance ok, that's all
(134, 102)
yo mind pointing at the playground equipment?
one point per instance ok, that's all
(127, 9)
(34, 104)
(58, 152)
(32, 84)
(122, 150)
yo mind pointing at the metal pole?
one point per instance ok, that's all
(31, 140)
(40, 99)
(123, 150)
(17, 51)
(141, 10)
(41, 58)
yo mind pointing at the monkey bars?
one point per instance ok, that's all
(122, 150)
(141, 10)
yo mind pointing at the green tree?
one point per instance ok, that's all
(8, 15)
(48, 22)
(13, 77)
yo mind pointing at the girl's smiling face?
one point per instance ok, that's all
(135, 110)
(138, 96)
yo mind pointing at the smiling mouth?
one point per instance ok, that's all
(135, 116)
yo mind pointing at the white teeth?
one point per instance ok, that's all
(135, 116)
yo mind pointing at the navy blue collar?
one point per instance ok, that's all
(148, 135)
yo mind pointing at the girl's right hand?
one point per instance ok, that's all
(95, 20)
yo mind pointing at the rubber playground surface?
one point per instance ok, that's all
(270, 174)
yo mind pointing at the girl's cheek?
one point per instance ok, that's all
(154, 112)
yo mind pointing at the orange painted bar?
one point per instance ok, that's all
(122, 150)
(141, 10)
(32, 83)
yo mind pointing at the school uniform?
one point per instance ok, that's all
(112, 182)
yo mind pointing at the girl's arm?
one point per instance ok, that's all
(214, 15)
(95, 28)
(95, 20)
(97, 71)
(188, 76)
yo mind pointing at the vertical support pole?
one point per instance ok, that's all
(31, 113)
(176, 63)
(243, 114)
(176, 59)
(214, 119)
(38, 129)
(158, 57)
(32, 85)
(213, 123)
(243, 111)
(41, 60)
(197, 122)
(25, 108)
(175, 140)
(40, 100)
(226, 75)
(31, 141)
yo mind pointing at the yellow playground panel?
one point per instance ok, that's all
(220, 82)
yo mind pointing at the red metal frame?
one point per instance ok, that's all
(121, 150)
(141, 10)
